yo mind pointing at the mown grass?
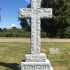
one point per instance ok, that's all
(61, 60)
(11, 54)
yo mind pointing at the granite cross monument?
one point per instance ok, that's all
(36, 60)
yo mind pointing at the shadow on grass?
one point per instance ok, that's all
(13, 66)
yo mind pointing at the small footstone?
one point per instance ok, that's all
(54, 50)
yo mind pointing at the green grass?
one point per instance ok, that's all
(60, 61)
(11, 54)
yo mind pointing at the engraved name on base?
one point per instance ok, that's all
(34, 66)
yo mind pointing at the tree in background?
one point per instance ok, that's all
(56, 26)
(59, 24)
(24, 24)
(1, 30)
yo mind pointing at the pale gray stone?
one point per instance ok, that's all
(36, 57)
(54, 50)
(36, 60)
(35, 12)
(35, 66)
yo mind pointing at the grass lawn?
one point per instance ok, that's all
(11, 54)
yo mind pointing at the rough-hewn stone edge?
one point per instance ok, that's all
(25, 65)
(36, 57)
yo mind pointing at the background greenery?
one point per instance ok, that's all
(56, 27)
(15, 32)
(11, 54)
(59, 25)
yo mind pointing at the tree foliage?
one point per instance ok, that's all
(56, 26)
(24, 24)
(16, 32)
(59, 23)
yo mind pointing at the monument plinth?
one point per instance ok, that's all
(36, 60)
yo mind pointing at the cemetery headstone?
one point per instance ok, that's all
(36, 60)
(54, 50)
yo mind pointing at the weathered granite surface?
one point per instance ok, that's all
(36, 57)
(35, 66)
(35, 12)
(36, 60)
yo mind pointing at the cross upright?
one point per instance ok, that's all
(35, 12)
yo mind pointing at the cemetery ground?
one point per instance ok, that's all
(11, 54)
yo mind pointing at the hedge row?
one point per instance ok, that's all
(19, 34)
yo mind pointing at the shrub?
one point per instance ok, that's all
(67, 32)
(18, 33)
(43, 34)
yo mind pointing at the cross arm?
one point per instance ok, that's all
(24, 12)
(47, 13)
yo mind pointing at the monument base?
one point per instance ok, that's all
(36, 62)
(35, 66)
(36, 57)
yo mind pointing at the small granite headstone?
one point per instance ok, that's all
(54, 50)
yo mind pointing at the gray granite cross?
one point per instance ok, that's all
(35, 12)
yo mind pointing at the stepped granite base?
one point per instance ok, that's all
(36, 62)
